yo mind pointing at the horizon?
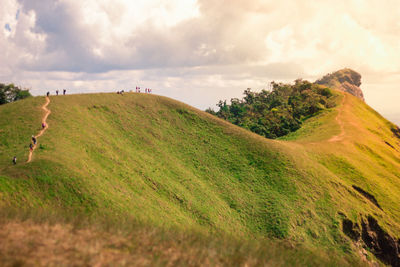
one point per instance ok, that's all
(199, 52)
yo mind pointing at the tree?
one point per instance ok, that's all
(10, 93)
(277, 112)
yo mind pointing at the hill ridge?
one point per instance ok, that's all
(169, 164)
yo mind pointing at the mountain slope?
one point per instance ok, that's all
(168, 164)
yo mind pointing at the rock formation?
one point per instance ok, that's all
(346, 80)
(372, 236)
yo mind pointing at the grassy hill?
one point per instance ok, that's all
(168, 165)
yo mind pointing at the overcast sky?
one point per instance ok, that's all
(200, 51)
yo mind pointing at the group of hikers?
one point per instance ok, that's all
(64, 92)
(33, 143)
(147, 91)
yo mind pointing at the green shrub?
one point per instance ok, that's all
(277, 112)
(10, 93)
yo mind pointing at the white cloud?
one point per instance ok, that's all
(199, 51)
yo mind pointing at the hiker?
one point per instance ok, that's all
(48, 93)
(64, 92)
(30, 147)
(43, 125)
(34, 140)
(56, 92)
(15, 160)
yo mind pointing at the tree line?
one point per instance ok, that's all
(276, 112)
(10, 93)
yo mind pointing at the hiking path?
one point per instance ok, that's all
(44, 119)
(339, 120)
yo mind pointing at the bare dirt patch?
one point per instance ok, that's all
(338, 118)
(367, 196)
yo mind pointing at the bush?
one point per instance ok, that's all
(10, 93)
(277, 112)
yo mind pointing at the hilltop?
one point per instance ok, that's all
(346, 80)
(329, 188)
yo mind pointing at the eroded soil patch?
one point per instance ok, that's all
(372, 236)
(367, 196)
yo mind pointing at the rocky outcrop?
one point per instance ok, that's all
(385, 247)
(346, 80)
(372, 236)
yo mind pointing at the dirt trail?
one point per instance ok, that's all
(44, 107)
(340, 136)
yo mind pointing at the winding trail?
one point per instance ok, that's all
(340, 136)
(44, 107)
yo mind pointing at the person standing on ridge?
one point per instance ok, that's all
(56, 92)
(48, 93)
(64, 92)
(15, 160)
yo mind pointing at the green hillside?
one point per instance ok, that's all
(166, 164)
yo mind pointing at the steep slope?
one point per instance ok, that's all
(363, 156)
(134, 153)
(166, 163)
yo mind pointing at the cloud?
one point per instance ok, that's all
(199, 51)
(101, 36)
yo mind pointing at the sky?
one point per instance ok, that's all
(200, 51)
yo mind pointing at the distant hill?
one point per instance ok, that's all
(283, 109)
(346, 80)
(330, 189)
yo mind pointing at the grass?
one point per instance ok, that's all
(33, 238)
(172, 166)
(119, 155)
